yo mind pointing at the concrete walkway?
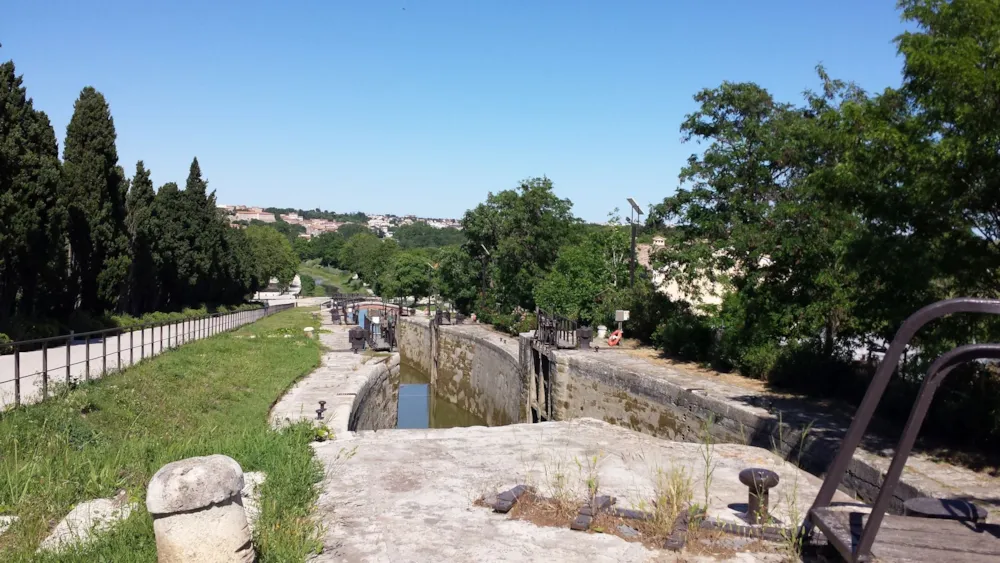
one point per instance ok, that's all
(923, 474)
(341, 375)
(408, 495)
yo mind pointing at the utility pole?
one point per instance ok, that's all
(633, 218)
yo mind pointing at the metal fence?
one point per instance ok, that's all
(554, 330)
(380, 336)
(29, 368)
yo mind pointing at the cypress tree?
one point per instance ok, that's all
(95, 190)
(172, 249)
(142, 284)
(31, 218)
(208, 240)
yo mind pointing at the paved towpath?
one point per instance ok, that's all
(341, 375)
(28, 375)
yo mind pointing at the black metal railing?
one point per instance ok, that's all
(855, 545)
(380, 336)
(555, 330)
(28, 368)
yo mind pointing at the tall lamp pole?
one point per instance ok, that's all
(485, 261)
(633, 219)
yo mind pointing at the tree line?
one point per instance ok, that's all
(355, 217)
(81, 241)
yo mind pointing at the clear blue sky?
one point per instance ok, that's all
(421, 106)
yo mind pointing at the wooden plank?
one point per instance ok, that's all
(904, 554)
(837, 531)
(912, 539)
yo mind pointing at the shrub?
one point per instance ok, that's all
(685, 335)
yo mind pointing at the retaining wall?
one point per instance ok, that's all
(631, 392)
(375, 404)
(467, 366)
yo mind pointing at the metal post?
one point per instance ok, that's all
(69, 340)
(131, 347)
(631, 272)
(118, 341)
(87, 361)
(161, 338)
(142, 343)
(17, 376)
(45, 370)
(104, 354)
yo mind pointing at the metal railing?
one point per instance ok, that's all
(855, 545)
(381, 336)
(555, 330)
(28, 368)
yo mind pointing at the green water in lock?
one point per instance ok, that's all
(420, 407)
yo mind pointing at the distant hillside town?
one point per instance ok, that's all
(316, 222)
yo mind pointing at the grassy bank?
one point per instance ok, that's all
(329, 276)
(209, 396)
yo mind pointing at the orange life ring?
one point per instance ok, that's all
(615, 338)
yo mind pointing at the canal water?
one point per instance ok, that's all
(419, 407)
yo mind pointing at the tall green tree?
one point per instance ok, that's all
(95, 190)
(143, 284)
(408, 275)
(518, 233)
(422, 235)
(588, 275)
(350, 229)
(327, 248)
(368, 256)
(32, 264)
(951, 79)
(173, 250)
(272, 255)
(204, 233)
(752, 213)
(458, 277)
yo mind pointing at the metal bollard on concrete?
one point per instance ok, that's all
(759, 482)
(198, 513)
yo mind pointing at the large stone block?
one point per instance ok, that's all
(198, 513)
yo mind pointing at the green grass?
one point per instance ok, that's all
(209, 396)
(332, 276)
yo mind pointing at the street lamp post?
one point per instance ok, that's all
(633, 219)
(486, 258)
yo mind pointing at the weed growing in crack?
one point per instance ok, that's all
(792, 538)
(589, 471)
(707, 450)
(673, 492)
(558, 482)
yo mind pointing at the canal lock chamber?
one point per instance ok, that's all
(438, 377)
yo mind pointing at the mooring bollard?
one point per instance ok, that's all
(759, 481)
(198, 512)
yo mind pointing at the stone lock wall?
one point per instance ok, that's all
(466, 368)
(413, 336)
(375, 404)
(588, 384)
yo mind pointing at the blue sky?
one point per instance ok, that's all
(424, 106)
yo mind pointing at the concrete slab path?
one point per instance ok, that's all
(340, 377)
(407, 495)
(827, 425)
